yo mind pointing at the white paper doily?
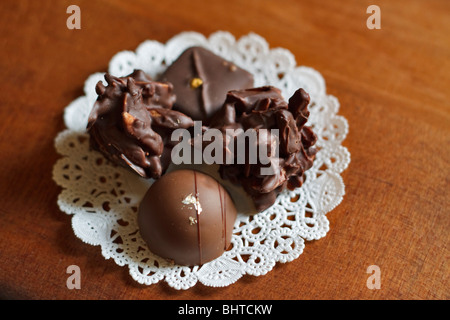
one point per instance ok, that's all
(103, 198)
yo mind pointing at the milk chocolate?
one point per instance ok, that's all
(187, 217)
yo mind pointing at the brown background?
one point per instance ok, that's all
(393, 85)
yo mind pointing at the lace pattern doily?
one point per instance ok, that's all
(103, 199)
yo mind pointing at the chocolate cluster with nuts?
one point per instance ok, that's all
(131, 122)
(265, 108)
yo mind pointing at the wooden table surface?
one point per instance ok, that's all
(393, 85)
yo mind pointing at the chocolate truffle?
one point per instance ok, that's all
(187, 216)
(265, 108)
(201, 81)
(131, 122)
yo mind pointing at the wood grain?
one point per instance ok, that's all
(393, 86)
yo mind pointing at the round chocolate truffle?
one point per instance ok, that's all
(188, 217)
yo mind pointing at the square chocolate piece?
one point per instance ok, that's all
(201, 80)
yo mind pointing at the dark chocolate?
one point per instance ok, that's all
(187, 216)
(131, 122)
(265, 108)
(201, 81)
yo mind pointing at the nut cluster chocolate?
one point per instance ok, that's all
(265, 108)
(131, 122)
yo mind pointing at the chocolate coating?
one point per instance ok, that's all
(265, 108)
(131, 122)
(188, 217)
(201, 81)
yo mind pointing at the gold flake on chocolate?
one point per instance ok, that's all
(196, 82)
